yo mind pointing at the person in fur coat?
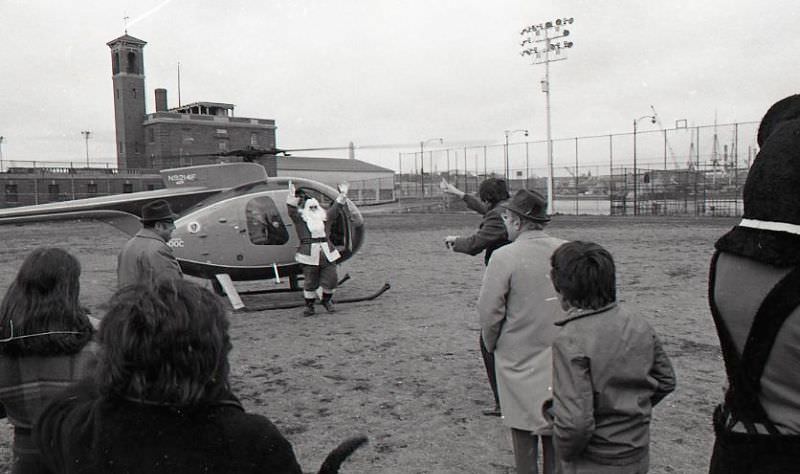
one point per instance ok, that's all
(316, 254)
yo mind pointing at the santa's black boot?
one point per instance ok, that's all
(309, 309)
(328, 303)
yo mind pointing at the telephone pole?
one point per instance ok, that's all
(540, 39)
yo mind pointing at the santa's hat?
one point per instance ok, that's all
(770, 228)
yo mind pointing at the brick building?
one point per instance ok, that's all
(168, 137)
(30, 186)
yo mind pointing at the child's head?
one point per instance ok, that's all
(583, 274)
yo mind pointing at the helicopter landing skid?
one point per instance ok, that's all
(290, 289)
(372, 296)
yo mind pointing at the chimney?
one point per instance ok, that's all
(161, 100)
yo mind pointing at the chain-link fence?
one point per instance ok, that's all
(695, 170)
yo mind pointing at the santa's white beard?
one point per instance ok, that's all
(315, 220)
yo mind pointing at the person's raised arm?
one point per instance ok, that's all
(291, 198)
(448, 188)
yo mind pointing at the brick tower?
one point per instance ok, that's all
(127, 66)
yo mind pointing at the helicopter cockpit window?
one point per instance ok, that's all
(264, 223)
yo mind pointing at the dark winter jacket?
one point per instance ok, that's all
(491, 234)
(85, 432)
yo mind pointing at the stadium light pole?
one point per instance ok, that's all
(86, 134)
(508, 133)
(545, 33)
(422, 160)
(635, 178)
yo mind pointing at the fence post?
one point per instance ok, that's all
(577, 178)
(611, 174)
(736, 168)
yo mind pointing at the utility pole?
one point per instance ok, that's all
(545, 33)
(1, 153)
(86, 134)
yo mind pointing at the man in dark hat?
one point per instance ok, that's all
(146, 256)
(754, 294)
(518, 308)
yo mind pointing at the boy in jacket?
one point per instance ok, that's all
(609, 369)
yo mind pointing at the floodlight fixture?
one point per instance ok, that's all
(542, 55)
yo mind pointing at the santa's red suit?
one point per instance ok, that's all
(316, 254)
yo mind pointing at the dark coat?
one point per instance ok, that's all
(84, 432)
(306, 252)
(491, 233)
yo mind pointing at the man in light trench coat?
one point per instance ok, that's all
(518, 309)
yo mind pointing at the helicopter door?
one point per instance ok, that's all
(264, 223)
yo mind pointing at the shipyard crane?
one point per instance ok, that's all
(669, 145)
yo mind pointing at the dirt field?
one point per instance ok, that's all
(405, 368)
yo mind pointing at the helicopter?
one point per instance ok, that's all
(232, 223)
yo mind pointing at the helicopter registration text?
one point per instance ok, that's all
(181, 178)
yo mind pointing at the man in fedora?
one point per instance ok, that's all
(518, 308)
(146, 256)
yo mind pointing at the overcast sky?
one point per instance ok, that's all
(392, 71)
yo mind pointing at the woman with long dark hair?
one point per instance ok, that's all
(45, 344)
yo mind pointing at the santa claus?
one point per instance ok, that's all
(316, 254)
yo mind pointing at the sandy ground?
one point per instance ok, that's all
(405, 369)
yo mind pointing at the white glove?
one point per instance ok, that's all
(291, 198)
(450, 241)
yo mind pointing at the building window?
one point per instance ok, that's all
(151, 135)
(133, 92)
(253, 139)
(151, 187)
(11, 193)
(52, 191)
(91, 189)
(127, 187)
(115, 62)
(133, 67)
(222, 131)
(223, 145)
